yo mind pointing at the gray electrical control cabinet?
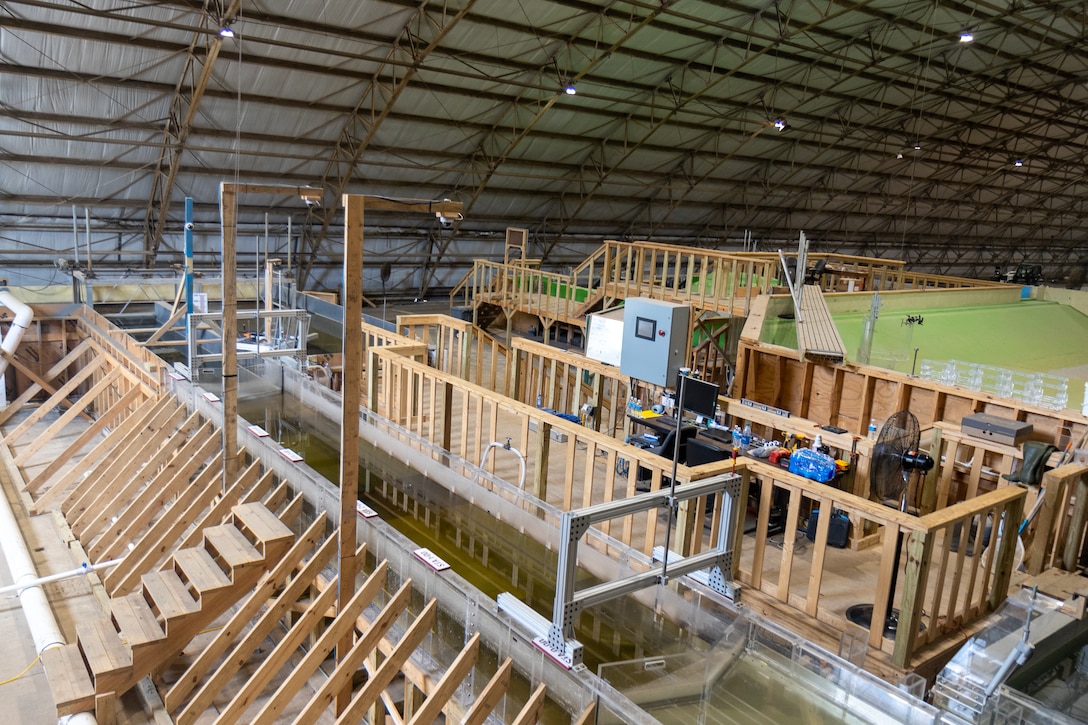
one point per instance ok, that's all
(655, 340)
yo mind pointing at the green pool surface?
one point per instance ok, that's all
(1028, 336)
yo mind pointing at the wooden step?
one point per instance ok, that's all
(231, 549)
(199, 570)
(107, 657)
(69, 680)
(263, 528)
(135, 621)
(168, 595)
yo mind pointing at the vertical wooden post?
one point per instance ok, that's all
(919, 551)
(1076, 526)
(540, 468)
(228, 218)
(349, 415)
(1006, 553)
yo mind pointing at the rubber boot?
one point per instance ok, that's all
(1036, 454)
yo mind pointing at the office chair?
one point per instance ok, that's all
(665, 450)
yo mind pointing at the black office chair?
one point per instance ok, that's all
(665, 450)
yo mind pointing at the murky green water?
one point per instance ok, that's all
(491, 555)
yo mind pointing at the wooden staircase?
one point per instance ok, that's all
(487, 313)
(148, 628)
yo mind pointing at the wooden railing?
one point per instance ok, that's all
(570, 465)
(461, 348)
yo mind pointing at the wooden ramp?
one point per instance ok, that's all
(816, 333)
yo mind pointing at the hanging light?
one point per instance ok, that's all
(570, 90)
(226, 31)
(780, 123)
(917, 146)
(1018, 162)
(966, 37)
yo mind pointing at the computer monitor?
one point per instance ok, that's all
(700, 397)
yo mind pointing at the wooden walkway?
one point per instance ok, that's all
(816, 332)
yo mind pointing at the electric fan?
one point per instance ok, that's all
(895, 459)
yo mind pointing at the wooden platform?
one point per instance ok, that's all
(816, 332)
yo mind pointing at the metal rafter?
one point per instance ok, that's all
(375, 105)
(203, 51)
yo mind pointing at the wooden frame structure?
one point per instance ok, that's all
(249, 558)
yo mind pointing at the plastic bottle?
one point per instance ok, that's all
(872, 429)
(746, 437)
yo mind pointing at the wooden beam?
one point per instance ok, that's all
(39, 383)
(491, 695)
(262, 595)
(157, 495)
(369, 693)
(57, 398)
(437, 698)
(65, 418)
(530, 713)
(136, 397)
(161, 536)
(351, 391)
(342, 676)
(287, 646)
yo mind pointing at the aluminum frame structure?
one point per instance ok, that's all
(294, 326)
(569, 602)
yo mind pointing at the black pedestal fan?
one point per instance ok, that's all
(895, 459)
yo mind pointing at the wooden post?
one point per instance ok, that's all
(349, 416)
(929, 482)
(1076, 526)
(919, 551)
(1006, 553)
(228, 216)
(543, 449)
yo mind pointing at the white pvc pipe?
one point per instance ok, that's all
(81, 571)
(39, 617)
(508, 447)
(43, 627)
(23, 316)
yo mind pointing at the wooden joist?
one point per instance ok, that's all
(57, 398)
(160, 538)
(116, 490)
(134, 398)
(342, 626)
(113, 531)
(61, 489)
(369, 693)
(39, 383)
(62, 421)
(235, 638)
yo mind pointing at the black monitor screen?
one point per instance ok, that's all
(645, 328)
(700, 397)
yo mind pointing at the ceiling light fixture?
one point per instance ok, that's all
(570, 89)
(780, 123)
(966, 37)
(1018, 162)
(226, 31)
(917, 146)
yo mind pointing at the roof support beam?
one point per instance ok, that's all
(188, 93)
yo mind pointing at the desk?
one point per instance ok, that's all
(662, 424)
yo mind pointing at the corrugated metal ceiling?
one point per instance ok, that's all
(901, 139)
